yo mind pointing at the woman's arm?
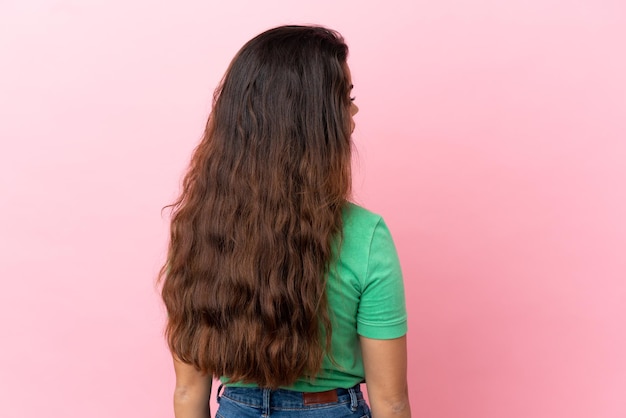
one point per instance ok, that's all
(385, 374)
(192, 393)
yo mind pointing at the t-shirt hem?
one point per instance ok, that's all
(317, 386)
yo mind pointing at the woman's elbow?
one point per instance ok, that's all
(397, 406)
(183, 393)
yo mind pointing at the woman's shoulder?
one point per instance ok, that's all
(356, 214)
(359, 222)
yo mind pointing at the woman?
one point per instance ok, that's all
(274, 282)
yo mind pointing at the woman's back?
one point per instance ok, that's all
(365, 297)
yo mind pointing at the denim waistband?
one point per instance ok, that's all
(284, 399)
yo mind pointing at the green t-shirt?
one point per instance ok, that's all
(365, 297)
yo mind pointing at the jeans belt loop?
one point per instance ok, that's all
(266, 403)
(354, 400)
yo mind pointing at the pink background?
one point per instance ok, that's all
(491, 136)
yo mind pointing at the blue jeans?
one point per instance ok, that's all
(262, 403)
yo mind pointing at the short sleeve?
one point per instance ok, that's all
(382, 309)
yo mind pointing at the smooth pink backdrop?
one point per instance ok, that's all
(491, 136)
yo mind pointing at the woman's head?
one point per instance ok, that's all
(286, 96)
(256, 226)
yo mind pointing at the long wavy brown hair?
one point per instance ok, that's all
(258, 221)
